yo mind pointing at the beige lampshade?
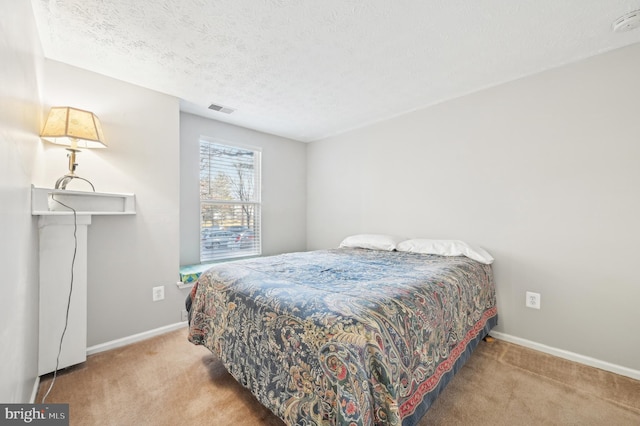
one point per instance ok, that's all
(73, 127)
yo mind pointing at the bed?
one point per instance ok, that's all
(345, 336)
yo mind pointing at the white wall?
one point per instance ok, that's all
(543, 172)
(127, 255)
(20, 64)
(283, 185)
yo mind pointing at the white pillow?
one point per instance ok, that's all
(445, 248)
(371, 241)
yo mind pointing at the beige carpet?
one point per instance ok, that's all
(168, 381)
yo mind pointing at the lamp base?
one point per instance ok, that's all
(64, 181)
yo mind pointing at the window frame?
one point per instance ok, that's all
(255, 248)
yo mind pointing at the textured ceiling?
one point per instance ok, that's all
(310, 69)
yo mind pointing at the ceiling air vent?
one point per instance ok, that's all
(220, 108)
(627, 22)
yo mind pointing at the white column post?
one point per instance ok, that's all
(57, 244)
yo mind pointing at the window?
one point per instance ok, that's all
(229, 201)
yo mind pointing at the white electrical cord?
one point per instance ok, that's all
(66, 321)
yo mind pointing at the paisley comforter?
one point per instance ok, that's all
(344, 336)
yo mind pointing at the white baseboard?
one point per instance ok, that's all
(561, 353)
(34, 391)
(134, 338)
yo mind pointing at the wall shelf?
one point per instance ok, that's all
(99, 203)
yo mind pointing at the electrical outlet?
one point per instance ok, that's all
(184, 315)
(532, 300)
(158, 293)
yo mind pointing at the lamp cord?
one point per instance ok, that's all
(66, 320)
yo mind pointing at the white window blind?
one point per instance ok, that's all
(229, 201)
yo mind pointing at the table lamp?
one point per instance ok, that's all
(76, 129)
